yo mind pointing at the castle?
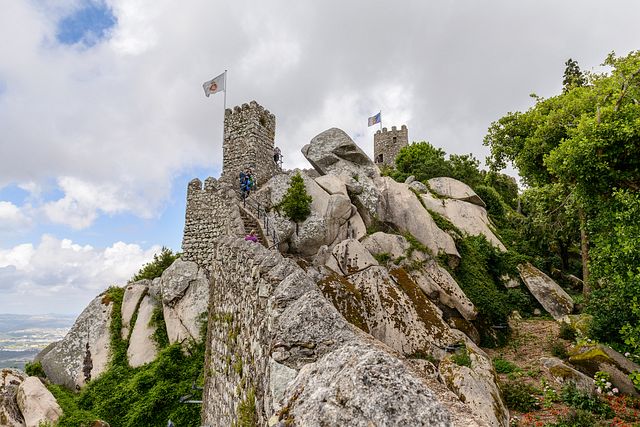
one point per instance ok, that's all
(214, 210)
(387, 144)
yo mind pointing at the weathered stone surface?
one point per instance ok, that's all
(438, 284)
(183, 315)
(509, 282)
(334, 152)
(10, 414)
(36, 403)
(454, 189)
(349, 257)
(132, 295)
(468, 217)
(68, 360)
(476, 386)
(266, 308)
(400, 315)
(591, 358)
(547, 292)
(176, 279)
(356, 384)
(142, 348)
(564, 373)
(418, 186)
(400, 207)
(332, 184)
(580, 323)
(383, 243)
(280, 376)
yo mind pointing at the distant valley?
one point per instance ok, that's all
(23, 336)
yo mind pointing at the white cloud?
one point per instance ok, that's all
(12, 218)
(65, 272)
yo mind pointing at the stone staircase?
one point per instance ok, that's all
(250, 223)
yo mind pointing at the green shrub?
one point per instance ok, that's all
(296, 202)
(520, 396)
(34, 369)
(247, 416)
(161, 261)
(578, 399)
(493, 200)
(382, 258)
(503, 366)
(575, 418)
(558, 349)
(567, 332)
(443, 223)
(461, 357)
(159, 336)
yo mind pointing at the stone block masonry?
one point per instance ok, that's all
(387, 144)
(212, 212)
(279, 352)
(249, 133)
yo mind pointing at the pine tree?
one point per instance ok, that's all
(296, 202)
(573, 76)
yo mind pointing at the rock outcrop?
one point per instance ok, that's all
(454, 189)
(476, 385)
(83, 354)
(142, 348)
(185, 296)
(266, 310)
(37, 404)
(10, 380)
(547, 292)
(564, 374)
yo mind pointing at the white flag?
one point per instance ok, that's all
(215, 85)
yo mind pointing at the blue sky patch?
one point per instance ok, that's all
(87, 25)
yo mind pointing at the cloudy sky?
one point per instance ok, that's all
(103, 120)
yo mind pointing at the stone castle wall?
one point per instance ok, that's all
(275, 342)
(249, 133)
(388, 143)
(211, 213)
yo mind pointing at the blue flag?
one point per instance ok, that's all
(375, 119)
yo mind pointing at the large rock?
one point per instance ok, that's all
(454, 189)
(468, 217)
(185, 297)
(355, 385)
(84, 352)
(400, 207)
(438, 284)
(177, 278)
(132, 295)
(477, 386)
(10, 380)
(37, 404)
(333, 218)
(142, 348)
(349, 257)
(334, 152)
(564, 374)
(400, 315)
(547, 292)
(332, 184)
(591, 358)
(380, 243)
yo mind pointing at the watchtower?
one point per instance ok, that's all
(387, 144)
(249, 133)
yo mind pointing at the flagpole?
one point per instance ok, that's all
(380, 112)
(224, 111)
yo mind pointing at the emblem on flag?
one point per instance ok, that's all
(214, 85)
(377, 118)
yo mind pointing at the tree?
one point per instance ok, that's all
(573, 76)
(296, 202)
(161, 261)
(585, 141)
(422, 160)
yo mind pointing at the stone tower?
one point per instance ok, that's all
(387, 145)
(249, 133)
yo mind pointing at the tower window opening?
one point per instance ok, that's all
(395, 139)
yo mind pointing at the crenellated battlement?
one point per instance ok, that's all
(388, 143)
(249, 134)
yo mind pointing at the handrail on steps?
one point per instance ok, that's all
(254, 207)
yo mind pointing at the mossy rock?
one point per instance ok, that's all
(580, 323)
(592, 358)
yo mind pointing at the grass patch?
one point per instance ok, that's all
(247, 416)
(382, 258)
(520, 396)
(503, 366)
(461, 357)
